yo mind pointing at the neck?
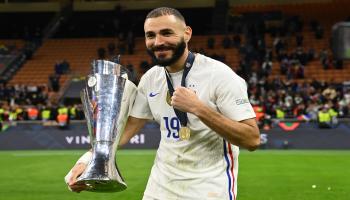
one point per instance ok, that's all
(179, 64)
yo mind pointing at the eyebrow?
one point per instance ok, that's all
(166, 30)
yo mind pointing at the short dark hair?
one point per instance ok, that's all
(162, 11)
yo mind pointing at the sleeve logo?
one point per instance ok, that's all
(241, 101)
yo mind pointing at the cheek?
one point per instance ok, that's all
(148, 45)
(174, 41)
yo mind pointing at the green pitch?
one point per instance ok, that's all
(263, 175)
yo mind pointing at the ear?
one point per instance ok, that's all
(188, 34)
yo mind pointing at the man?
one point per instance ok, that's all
(327, 117)
(212, 103)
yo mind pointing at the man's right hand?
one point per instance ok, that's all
(71, 178)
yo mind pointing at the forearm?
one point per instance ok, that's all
(85, 158)
(244, 134)
(133, 126)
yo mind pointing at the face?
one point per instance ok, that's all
(159, 53)
(166, 39)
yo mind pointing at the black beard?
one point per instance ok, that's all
(178, 51)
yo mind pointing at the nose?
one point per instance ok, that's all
(158, 40)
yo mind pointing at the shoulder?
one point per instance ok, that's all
(154, 71)
(151, 75)
(218, 71)
(210, 62)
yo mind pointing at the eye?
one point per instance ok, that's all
(150, 35)
(167, 33)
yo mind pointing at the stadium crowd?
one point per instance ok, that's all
(293, 96)
(276, 97)
(21, 102)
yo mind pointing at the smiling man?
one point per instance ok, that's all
(194, 99)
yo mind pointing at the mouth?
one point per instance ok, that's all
(162, 48)
(162, 51)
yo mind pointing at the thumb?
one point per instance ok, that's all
(77, 170)
(72, 180)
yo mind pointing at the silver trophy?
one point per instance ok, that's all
(107, 100)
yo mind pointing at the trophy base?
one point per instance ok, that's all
(103, 185)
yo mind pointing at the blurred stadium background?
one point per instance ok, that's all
(292, 53)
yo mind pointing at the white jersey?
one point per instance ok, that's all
(205, 166)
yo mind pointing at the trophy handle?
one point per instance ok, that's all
(88, 112)
(116, 59)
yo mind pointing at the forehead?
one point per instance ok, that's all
(163, 22)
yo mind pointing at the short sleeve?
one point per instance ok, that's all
(141, 107)
(232, 98)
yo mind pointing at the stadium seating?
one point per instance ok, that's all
(18, 43)
(336, 11)
(80, 52)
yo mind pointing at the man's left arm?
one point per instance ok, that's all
(243, 133)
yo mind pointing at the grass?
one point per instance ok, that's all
(263, 175)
